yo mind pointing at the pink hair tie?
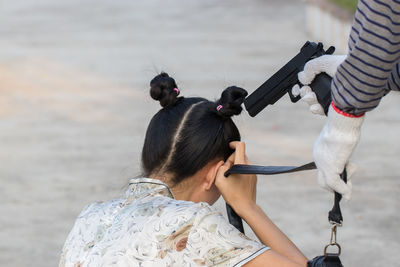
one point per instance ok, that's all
(219, 107)
(176, 90)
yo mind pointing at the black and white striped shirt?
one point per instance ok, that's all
(372, 65)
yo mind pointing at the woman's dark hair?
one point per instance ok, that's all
(187, 133)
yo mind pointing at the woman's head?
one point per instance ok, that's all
(188, 133)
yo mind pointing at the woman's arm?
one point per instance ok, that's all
(270, 235)
(272, 258)
(239, 191)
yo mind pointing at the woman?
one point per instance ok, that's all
(165, 219)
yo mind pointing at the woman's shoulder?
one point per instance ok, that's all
(159, 225)
(89, 227)
(99, 208)
(203, 235)
(159, 206)
(95, 213)
(186, 210)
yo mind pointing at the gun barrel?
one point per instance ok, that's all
(282, 81)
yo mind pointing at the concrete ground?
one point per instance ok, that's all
(74, 107)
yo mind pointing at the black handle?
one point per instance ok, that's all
(322, 89)
(335, 215)
(322, 84)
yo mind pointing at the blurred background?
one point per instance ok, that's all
(74, 107)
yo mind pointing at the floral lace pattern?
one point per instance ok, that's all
(148, 227)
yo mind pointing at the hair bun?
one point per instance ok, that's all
(164, 89)
(231, 101)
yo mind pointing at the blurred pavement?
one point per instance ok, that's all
(74, 107)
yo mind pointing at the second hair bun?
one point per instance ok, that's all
(164, 89)
(231, 101)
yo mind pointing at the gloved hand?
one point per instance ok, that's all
(334, 147)
(307, 95)
(327, 64)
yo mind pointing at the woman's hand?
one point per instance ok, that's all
(238, 190)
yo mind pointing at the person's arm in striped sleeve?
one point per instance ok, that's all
(393, 82)
(358, 85)
(374, 42)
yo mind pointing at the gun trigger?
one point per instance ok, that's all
(293, 98)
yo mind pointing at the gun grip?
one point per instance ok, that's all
(322, 89)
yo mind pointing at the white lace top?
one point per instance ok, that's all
(148, 227)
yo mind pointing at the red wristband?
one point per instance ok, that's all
(344, 113)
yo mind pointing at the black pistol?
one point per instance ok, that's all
(284, 79)
(281, 83)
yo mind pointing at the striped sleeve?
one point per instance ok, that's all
(370, 68)
(393, 82)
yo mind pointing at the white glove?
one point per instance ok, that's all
(327, 64)
(333, 149)
(307, 95)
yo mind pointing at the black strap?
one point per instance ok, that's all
(268, 170)
(233, 217)
(335, 215)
